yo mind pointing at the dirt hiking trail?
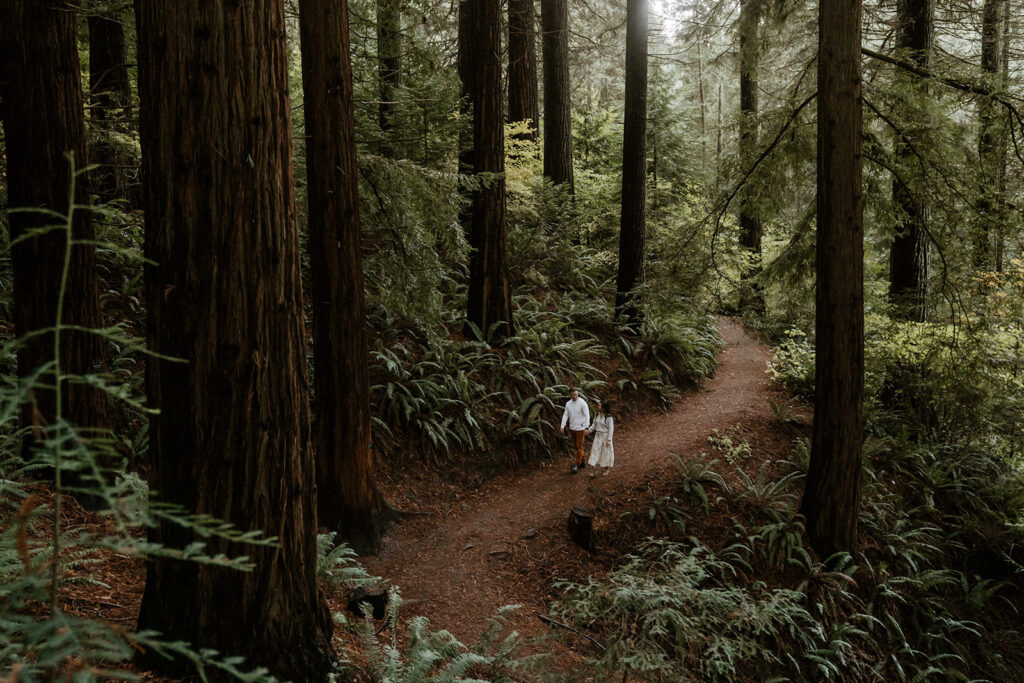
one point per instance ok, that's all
(503, 542)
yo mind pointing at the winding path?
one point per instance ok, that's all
(460, 565)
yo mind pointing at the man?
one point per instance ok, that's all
(577, 416)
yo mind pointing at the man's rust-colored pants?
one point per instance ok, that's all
(577, 442)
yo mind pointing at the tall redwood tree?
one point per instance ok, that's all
(523, 104)
(231, 439)
(489, 297)
(348, 498)
(991, 141)
(554, 20)
(389, 67)
(633, 226)
(43, 121)
(832, 498)
(908, 254)
(110, 95)
(751, 294)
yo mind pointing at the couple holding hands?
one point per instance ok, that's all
(577, 417)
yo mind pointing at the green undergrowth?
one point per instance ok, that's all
(729, 588)
(458, 395)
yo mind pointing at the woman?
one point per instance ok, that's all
(602, 453)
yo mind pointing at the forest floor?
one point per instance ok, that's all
(469, 545)
(469, 551)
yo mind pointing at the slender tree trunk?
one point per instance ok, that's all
(703, 107)
(489, 297)
(43, 122)
(718, 131)
(111, 99)
(554, 20)
(654, 161)
(908, 255)
(832, 498)
(522, 65)
(1002, 147)
(990, 138)
(751, 294)
(633, 227)
(349, 501)
(389, 67)
(231, 439)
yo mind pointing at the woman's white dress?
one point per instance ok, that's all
(602, 453)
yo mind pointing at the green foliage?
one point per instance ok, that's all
(678, 614)
(930, 379)
(439, 657)
(337, 564)
(732, 451)
(934, 594)
(460, 395)
(695, 475)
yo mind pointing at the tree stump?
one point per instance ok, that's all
(376, 598)
(581, 528)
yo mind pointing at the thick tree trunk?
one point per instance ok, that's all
(751, 294)
(990, 139)
(389, 68)
(232, 436)
(489, 297)
(43, 122)
(522, 65)
(554, 20)
(111, 98)
(633, 227)
(348, 499)
(908, 254)
(832, 498)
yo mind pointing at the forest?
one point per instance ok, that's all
(296, 298)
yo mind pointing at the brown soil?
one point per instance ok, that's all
(504, 541)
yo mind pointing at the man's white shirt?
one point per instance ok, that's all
(577, 415)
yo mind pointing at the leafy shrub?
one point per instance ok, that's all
(929, 378)
(438, 656)
(676, 612)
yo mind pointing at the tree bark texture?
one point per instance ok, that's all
(489, 297)
(554, 20)
(751, 294)
(232, 436)
(908, 254)
(111, 98)
(43, 121)
(832, 496)
(991, 138)
(389, 68)
(348, 499)
(633, 227)
(522, 65)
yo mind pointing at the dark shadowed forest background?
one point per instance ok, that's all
(264, 265)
